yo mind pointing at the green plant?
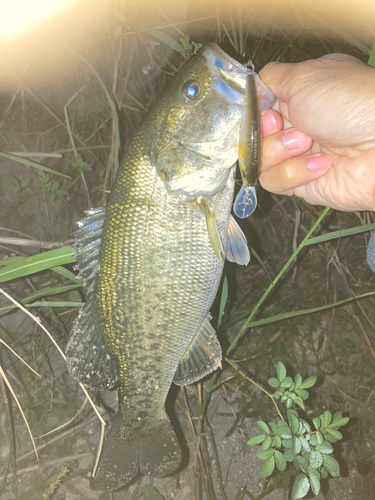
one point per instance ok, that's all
(292, 450)
(51, 186)
(81, 165)
(16, 185)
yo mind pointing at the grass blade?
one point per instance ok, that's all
(29, 163)
(36, 263)
(340, 234)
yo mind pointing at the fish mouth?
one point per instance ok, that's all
(230, 77)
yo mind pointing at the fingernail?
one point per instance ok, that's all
(294, 139)
(268, 123)
(319, 162)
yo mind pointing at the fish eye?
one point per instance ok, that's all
(191, 89)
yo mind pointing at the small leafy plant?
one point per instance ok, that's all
(51, 187)
(292, 446)
(16, 185)
(81, 165)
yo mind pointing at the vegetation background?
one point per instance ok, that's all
(54, 113)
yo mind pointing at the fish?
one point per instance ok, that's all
(152, 262)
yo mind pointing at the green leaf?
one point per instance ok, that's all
(316, 459)
(10, 260)
(309, 382)
(62, 192)
(12, 181)
(29, 163)
(319, 438)
(287, 382)
(329, 437)
(223, 300)
(304, 443)
(340, 422)
(273, 426)
(335, 433)
(276, 442)
(273, 382)
(317, 423)
(332, 465)
(268, 467)
(313, 440)
(301, 487)
(371, 59)
(36, 263)
(297, 380)
(287, 443)
(25, 182)
(289, 403)
(299, 402)
(280, 371)
(336, 416)
(280, 461)
(314, 477)
(296, 446)
(55, 186)
(151, 493)
(293, 421)
(325, 448)
(264, 454)
(327, 417)
(301, 462)
(263, 426)
(256, 440)
(323, 473)
(289, 455)
(302, 393)
(65, 272)
(284, 432)
(267, 443)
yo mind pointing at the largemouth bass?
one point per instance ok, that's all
(153, 259)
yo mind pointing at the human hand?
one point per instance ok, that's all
(330, 103)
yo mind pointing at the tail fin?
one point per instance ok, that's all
(152, 449)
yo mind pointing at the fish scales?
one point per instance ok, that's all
(152, 263)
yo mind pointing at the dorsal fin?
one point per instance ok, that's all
(87, 246)
(87, 355)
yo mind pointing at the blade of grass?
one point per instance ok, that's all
(223, 300)
(2, 373)
(371, 61)
(273, 284)
(36, 263)
(44, 303)
(66, 273)
(42, 293)
(163, 37)
(303, 312)
(29, 163)
(342, 233)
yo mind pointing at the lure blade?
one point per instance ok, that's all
(246, 202)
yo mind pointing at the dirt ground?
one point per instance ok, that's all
(336, 345)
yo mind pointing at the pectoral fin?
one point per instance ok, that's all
(237, 249)
(202, 357)
(212, 229)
